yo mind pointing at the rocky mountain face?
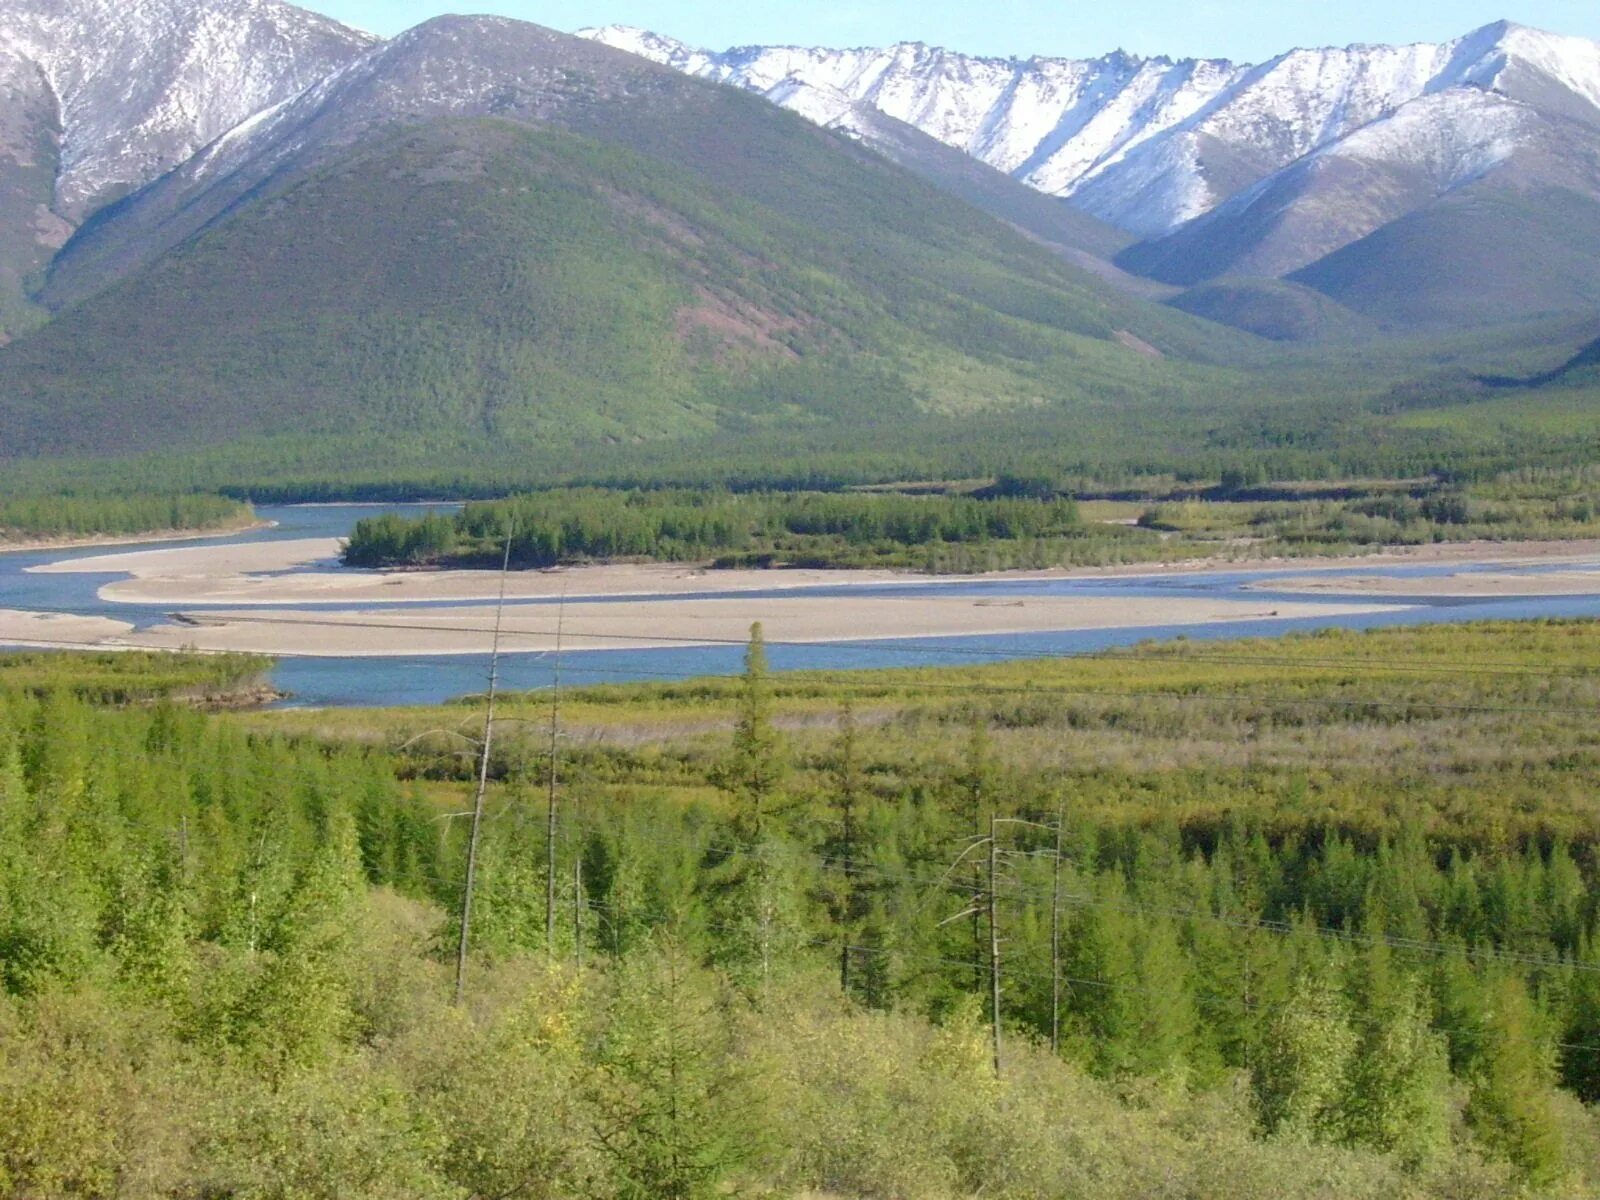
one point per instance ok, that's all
(1318, 167)
(1224, 170)
(100, 97)
(1150, 144)
(447, 67)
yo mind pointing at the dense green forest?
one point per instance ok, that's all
(1323, 909)
(25, 518)
(790, 529)
(1380, 411)
(1011, 522)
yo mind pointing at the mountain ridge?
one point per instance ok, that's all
(99, 98)
(1112, 130)
(1224, 171)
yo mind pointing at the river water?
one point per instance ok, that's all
(405, 680)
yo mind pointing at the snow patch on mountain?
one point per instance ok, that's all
(1456, 136)
(142, 84)
(1151, 144)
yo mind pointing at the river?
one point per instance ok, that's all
(403, 680)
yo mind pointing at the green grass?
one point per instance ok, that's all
(132, 677)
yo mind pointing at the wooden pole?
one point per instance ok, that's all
(1055, 942)
(994, 939)
(577, 908)
(550, 808)
(847, 786)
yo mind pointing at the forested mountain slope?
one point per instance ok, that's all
(484, 230)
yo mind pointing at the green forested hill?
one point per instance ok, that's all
(482, 282)
(492, 237)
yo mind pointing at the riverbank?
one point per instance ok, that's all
(661, 623)
(275, 574)
(1460, 584)
(41, 545)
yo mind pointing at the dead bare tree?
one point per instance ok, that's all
(986, 903)
(993, 899)
(484, 749)
(550, 806)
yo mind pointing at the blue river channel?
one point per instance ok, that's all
(325, 682)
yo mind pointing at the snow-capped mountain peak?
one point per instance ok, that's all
(1147, 144)
(139, 87)
(1492, 57)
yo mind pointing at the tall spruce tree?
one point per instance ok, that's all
(1510, 1108)
(672, 1118)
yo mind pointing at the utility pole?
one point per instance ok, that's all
(550, 808)
(483, 781)
(1055, 941)
(994, 940)
(987, 902)
(577, 909)
(847, 793)
(977, 771)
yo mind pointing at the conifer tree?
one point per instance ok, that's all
(759, 906)
(154, 942)
(1163, 1039)
(297, 1006)
(1580, 1053)
(756, 767)
(845, 899)
(1396, 1090)
(1510, 1107)
(670, 1116)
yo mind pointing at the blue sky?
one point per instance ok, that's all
(1239, 29)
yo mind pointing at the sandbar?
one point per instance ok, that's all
(58, 631)
(202, 563)
(36, 545)
(254, 574)
(670, 622)
(1577, 581)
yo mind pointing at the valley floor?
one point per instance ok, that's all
(290, 598)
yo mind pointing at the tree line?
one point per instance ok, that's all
(90, 515)
(801, 528)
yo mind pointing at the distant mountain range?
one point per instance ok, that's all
(234, 219)
(1472, 164)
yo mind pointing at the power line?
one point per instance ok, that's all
(1277, 928)
(969, 965)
